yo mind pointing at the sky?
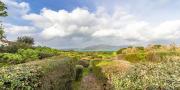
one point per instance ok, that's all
(80, 23)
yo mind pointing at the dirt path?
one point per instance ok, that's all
(90, 82)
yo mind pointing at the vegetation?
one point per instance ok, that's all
(2, 33)
(40, 75)
(150, 76)
(79, 72)
(24, 66)
(26, 55)
(138, 68)
(150, 53)
(84, 63)
(3, 8)
(3, 13)
(105, 70)
(155, 67)
(25, 39)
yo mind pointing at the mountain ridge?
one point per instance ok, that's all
(103, 47)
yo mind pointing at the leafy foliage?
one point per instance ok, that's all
(120, 50)
(29, 54)
(159, 76)
(11, 58)
(150, 53)
(25, 55)
(84, 63)
(3, 8)
(79, 72)
(41, 75)
(25, 39)
(3, 13)
(14, 47)
(135, 57)
(2, 33)
(45, 52)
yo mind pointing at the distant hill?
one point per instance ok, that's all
(103, 48)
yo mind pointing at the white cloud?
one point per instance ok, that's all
(82, 24)
(15, 29)
(167, 30)
(14, 24)
(63, 23)
(81, 27)
(16, 9)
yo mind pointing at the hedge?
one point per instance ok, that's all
(150, 76)
(79, 72)
(103, 69)
(148, 56)
(28, 54)
(49, 74)
(135, 57)
(10, 58)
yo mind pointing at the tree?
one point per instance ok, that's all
(25, 39)
(3, 13)
(2, 33)
(3, 9)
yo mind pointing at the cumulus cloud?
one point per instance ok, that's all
(62, 23)
(15, 29)
(100, 27)
(167, 30)
(15, 9)
(14, 24)
(80, 27)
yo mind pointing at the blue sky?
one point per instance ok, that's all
(81, 23)
(162, 9)
(37, 5)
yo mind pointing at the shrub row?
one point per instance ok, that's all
(97, 70)
(150, 76)
(39, 75)
(24, 55)
(149, 56)
(104, 70)
(11, 58)
(79, 72)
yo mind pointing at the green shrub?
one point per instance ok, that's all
(39, 75)
(45, 52)
(14, 47)
(11, 58)
(160, 56)
(24, 55)
(105, 69)
(135, 57)
(79, 72)
(26, 40)
(152, 56)
(29, 54)
(148, 56)
(97, 69)
(42, 55)
(84, 63)
(120, 50)
(150, 76)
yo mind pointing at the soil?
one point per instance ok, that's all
(90, 82)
